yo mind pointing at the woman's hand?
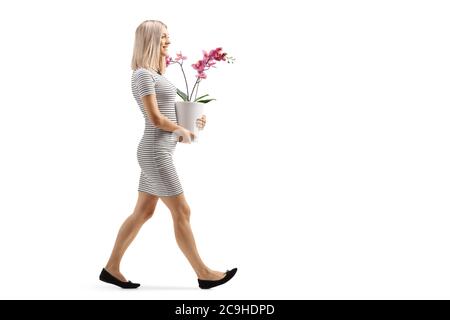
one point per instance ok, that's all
(201, 122)
(184, 135)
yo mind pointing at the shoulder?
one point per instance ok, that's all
(142, 71)
(144, 74)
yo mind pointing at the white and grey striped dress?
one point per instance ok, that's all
(158, 173)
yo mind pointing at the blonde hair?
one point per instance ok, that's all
(147, 46)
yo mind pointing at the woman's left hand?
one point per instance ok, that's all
(201, 122)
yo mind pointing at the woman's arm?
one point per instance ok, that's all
(158, 119)
(162, 122)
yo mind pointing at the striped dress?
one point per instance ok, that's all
(154, 153)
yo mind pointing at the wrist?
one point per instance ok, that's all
(178, 130)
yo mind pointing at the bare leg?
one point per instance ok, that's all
(145, 207)
(185, 239)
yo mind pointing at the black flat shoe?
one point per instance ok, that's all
(105, 276)
(207, 284)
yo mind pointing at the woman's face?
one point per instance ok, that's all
(165, 42)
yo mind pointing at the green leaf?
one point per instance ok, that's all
(200, 97)
(182, 95)
(205, 100)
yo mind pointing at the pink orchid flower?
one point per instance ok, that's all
(201, 66)
(180, 57)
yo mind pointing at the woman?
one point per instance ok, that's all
(155, 96)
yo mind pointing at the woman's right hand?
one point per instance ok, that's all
(184, 135)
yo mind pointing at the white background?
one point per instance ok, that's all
(322, 172)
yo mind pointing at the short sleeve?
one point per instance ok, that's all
(145, 83)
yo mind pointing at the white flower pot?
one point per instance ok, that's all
(187, 114)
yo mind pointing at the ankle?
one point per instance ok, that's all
(203, 273)
(112, 268)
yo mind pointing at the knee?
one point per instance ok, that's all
(181, 214)
(144, 214)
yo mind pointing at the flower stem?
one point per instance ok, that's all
(185, 81)
(196, 91)
(195, 86)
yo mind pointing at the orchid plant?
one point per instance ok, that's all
(209, 60)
